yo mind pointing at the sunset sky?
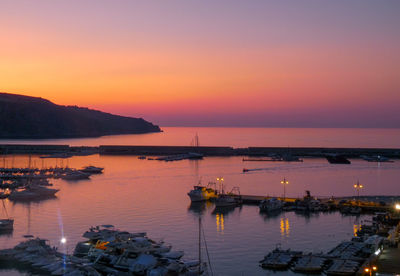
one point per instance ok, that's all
(209, 63)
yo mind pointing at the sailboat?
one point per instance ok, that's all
(8, 223)
(202, 269)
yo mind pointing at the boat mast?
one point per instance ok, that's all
(199, 245)
(5, 210)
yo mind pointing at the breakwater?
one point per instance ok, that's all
(206, 151)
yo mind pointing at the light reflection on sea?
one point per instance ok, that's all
(150, 196)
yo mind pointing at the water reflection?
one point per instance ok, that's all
(151, 197)
(199, 208)
(285, 227)
(271, 214)
(6, 233)
(225, 210)
(219, 219)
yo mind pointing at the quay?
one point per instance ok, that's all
(206, 151)
(335, 202)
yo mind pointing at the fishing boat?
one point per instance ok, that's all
(202, 193)
(271, 205)
(231, 199)
(6, 224)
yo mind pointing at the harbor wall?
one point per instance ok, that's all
(165, 150)
(206, 151)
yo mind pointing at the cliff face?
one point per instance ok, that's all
(30, 117)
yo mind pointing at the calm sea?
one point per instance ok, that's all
(244, 137)
(151, 196)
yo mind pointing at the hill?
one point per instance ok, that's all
(36, 118)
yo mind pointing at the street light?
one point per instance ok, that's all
(220, 181)
(284, 182)
(397, 206)
(371, 270)
(358, 187)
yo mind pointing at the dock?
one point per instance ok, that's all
(365, 205)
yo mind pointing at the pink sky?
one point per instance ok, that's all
(233, 63)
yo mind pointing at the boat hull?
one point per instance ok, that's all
(6, 224)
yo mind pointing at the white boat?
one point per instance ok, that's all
(6, 224)
(202, 193)
(271, 205)
(92, 169)
(75, 175)
(32, 192)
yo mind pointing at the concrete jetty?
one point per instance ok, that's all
(206, 151)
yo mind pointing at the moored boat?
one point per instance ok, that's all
(271, 205)
(309, 264)
(8, 223)
(202, 193)
(92, 170)
(32, 193)
(279, 259)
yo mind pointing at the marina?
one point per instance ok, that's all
(134, 182)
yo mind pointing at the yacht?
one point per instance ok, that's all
(33, 192)
(202, 193)
(92, 169)
(6, 224)
(75, 175)
(271, 205)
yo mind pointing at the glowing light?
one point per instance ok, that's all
(284, 181)
(377, 252)
(374, 268)
(397, 206)
(285, 227)
(63, 240)
(366, 269)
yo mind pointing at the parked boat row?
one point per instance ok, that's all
(347, 258)
(106, 251)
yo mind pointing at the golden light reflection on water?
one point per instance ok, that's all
(285, 227)
(219, 218)
(356, 228)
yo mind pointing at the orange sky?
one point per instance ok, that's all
(162, 64)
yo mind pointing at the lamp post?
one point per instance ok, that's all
(220, 181)
(358, 187)
(63, 241)
(284, 182)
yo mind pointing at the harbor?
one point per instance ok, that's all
(124, 193)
